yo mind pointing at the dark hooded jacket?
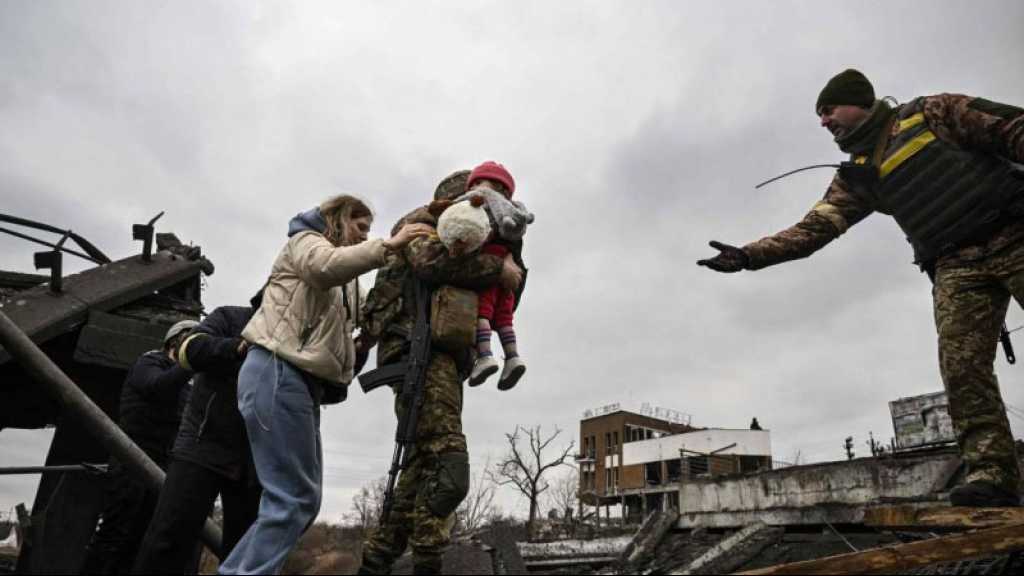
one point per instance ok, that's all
(152, 399)
(212, 431)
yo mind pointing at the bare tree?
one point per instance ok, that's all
(564, 493)
(368, 504)
(524, 467)
(477, 508)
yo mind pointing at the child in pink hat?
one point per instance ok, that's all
(496, 305)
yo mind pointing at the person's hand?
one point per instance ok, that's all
(511, 275)
(407, 234)
(729, 259)
(243, 347)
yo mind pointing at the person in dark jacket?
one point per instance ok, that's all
(211, 453)
(152, 399)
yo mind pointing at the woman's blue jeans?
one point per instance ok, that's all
(283, 423)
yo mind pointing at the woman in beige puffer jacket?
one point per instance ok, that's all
(300, 341)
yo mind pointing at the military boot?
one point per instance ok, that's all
(372, 565)
(983, 494)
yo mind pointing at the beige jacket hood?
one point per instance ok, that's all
(311, 304)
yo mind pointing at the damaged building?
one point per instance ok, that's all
(712, 501)
(636, 462)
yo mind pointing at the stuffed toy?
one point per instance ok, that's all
(463, 226)
(466, 223)
(510, 217)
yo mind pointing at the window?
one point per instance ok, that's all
(674, 470)
(616, 441)
(652, 473)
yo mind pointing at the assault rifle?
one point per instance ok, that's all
(411, 374)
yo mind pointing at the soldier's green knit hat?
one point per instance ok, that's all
(847, 87)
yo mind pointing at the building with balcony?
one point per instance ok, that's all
(637, 462)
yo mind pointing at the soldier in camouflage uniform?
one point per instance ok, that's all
(437, 477)
(941, 166)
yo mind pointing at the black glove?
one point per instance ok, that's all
(729, 259)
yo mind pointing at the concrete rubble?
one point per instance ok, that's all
(563, 553)
(869, 515)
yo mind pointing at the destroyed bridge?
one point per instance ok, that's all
(66, 343)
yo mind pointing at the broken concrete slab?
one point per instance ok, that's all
(564, 553)
(734, 551)
(647, 537)
(833, 492)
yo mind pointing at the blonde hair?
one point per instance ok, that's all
(337, 212)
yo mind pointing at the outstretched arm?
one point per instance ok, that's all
(828, 219)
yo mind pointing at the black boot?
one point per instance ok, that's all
(983, 494)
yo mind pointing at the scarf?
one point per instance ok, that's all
(862, 139)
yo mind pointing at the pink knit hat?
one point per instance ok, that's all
(492, 171)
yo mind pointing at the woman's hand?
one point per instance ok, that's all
(407, 234)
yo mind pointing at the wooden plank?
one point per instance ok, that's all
(42, 315)
(890, 559)
(911, 517)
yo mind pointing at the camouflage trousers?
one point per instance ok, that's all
(435, 482)
(971, 294)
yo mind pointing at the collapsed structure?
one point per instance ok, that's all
(92, 325)
(713, 501)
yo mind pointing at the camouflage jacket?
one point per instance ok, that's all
(970, 123)
(389, 313)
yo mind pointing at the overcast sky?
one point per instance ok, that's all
(635, 131)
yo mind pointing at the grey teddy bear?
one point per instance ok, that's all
(509, 217)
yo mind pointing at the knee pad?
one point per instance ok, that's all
(450, 483)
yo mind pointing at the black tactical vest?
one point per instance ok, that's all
(942, 196)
